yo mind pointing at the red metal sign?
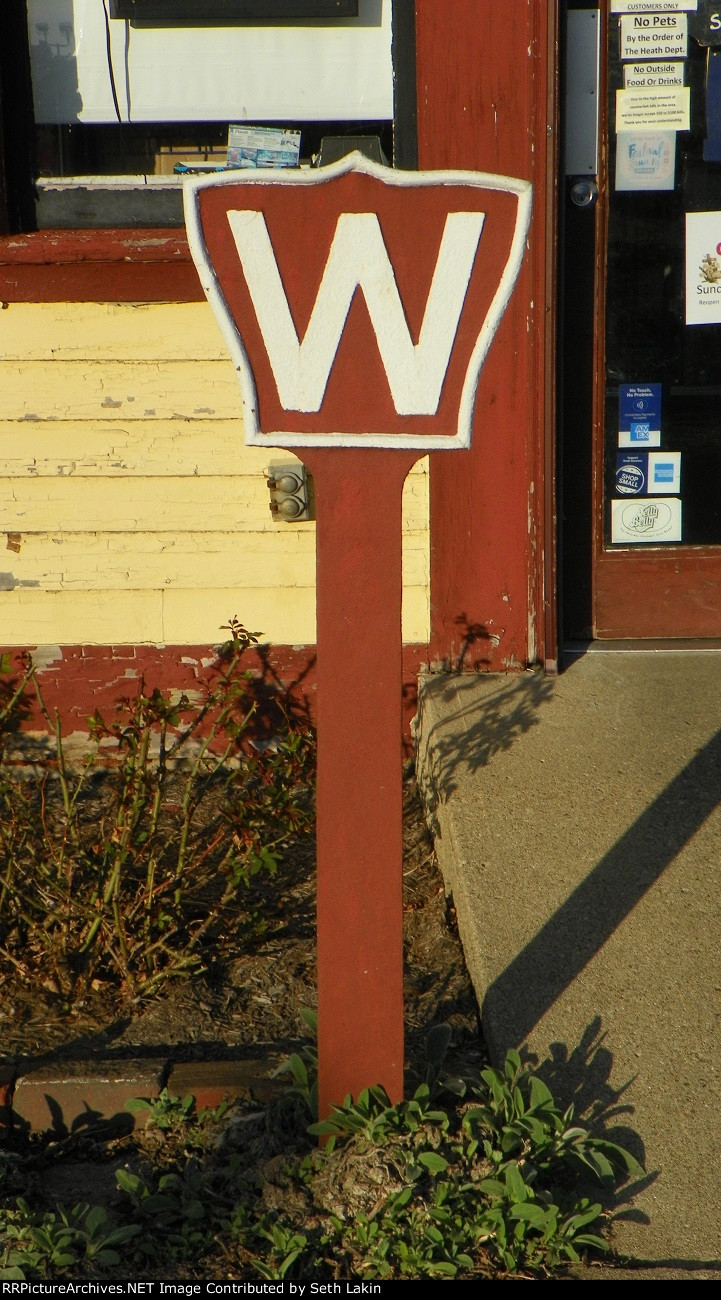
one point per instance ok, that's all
(358, 302)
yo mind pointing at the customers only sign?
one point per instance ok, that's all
(358, 302)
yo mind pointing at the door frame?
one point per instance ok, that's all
(685, 579)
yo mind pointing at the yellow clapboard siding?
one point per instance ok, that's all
(29, 617)
(226, 504)
(150, 561)
(111, 390)
(99, 448)
(142, 515)
(416, 620)
(110, 331)
(281, 617)
(167, 448)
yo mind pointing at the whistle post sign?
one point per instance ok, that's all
(358, 304)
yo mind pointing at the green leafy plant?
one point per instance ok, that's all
(491, 1176)
(46, 1243)
(165, 1111)
(519, 1121)
(303, 1069)
(168, 1111)
(486, 1179)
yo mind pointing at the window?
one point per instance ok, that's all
(104, 96)
(100, 99)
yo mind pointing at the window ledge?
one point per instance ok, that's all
(99, 202)
(152, 264)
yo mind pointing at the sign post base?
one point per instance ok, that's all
(360, 797)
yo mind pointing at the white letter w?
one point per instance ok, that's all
(358, 258)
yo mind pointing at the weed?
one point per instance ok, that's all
(303, 1069)
(167, 1111)
(488, 1178)
(173, 1204)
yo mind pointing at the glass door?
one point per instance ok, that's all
(655, 400)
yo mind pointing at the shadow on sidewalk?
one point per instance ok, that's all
(561, 949)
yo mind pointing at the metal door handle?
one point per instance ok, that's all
(584, 192)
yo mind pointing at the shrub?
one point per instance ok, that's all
(134, 868)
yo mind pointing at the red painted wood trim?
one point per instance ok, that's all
(686, 587)
(80, 678)
(359, 787)
(482, 104)
(149, 265)
(546, 291)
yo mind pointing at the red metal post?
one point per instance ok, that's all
(360, 846)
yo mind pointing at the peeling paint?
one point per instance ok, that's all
(44, 656)
(110, 401)
(193, 697)
(8, 582)
(14, 542)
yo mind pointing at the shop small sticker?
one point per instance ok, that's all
(647, 520)
(644, 473)
(631, 472)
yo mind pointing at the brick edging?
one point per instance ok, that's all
(70, 1098)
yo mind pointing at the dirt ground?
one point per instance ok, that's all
(250, 1007)
(254, 998)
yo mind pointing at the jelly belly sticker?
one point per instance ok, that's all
(703, 268)
(642, 473)
(645, 160)
(639, 415)
(648, 519)
(654, 35)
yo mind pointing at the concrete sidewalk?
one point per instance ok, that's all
(578, 825)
